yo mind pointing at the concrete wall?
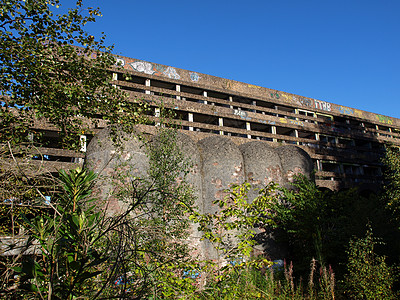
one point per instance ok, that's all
(217, 163)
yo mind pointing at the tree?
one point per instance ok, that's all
(46, 77)
(392, 177)
(136, 252)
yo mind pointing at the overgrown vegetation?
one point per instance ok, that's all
(70, 248)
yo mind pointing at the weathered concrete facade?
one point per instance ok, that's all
(345, 143)
(217, 163)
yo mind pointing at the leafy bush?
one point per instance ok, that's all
(369, 277)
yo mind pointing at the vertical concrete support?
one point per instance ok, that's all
(205, 95)
(230, 100)
(178, 89)
(190, 119)
(273, 131)
(157, 114)
(248, 127)
(221, 124)
(83, 144)
(377, 128)
(114, 78)
(318, 165)
(222, 165)
(147, 84)
(296, 134)
(254, 103)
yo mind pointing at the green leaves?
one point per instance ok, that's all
(44, 72)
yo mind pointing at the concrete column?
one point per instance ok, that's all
(190, 119)
(178, 89)
(296, 134)
(83, 144)
(147, 84)
(377, 128)
(248, 127)
(273, 130)
(221, 124)
(255, 104)
(114, 78)
(230, 100)
(205, 95)
(157, 114)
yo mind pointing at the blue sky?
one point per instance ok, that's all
(345, 52)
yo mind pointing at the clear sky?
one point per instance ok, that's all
(345, 52)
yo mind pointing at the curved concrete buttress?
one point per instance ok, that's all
(191, 152)
(108, 161)
(222, 165)
(294, 161)
(262, 165)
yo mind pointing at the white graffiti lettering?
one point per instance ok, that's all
(171, 73)
(143, 67)
(322, 105)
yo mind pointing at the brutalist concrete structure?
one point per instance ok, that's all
(344, 143)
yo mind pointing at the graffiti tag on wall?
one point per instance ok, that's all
(322, 105)
(240, 113)
(154, 69)
(384, 119)
(194, 76)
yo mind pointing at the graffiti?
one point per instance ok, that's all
(322, 105)
(171, 73)
(240, 113)
(254, 86)
(143, 67)
(303, 101)
(296, 122)
(345, 110)
(275, 95)
(194, 76)
(384, 119)
(358, 113)
(282, 120)
(271, 122)
(119, 62)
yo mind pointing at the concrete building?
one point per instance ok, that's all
(344, 143)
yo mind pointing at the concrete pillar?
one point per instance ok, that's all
(147, 84)
(296, 134)
(255, 104)
(83, 144)
(157, 114)
(178, 89)
(273, 131)
(221, 124)
(248, 127)
(205, 95)
(190, 119)
(377, 128)
(319, 168)
(114, 78)
(230, 100)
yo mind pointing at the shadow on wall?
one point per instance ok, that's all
(217, 163)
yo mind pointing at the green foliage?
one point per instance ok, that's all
(317, 223)
(392, 176)
(369, 277)
(237, 218)
(66, 266)
(45, 77)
